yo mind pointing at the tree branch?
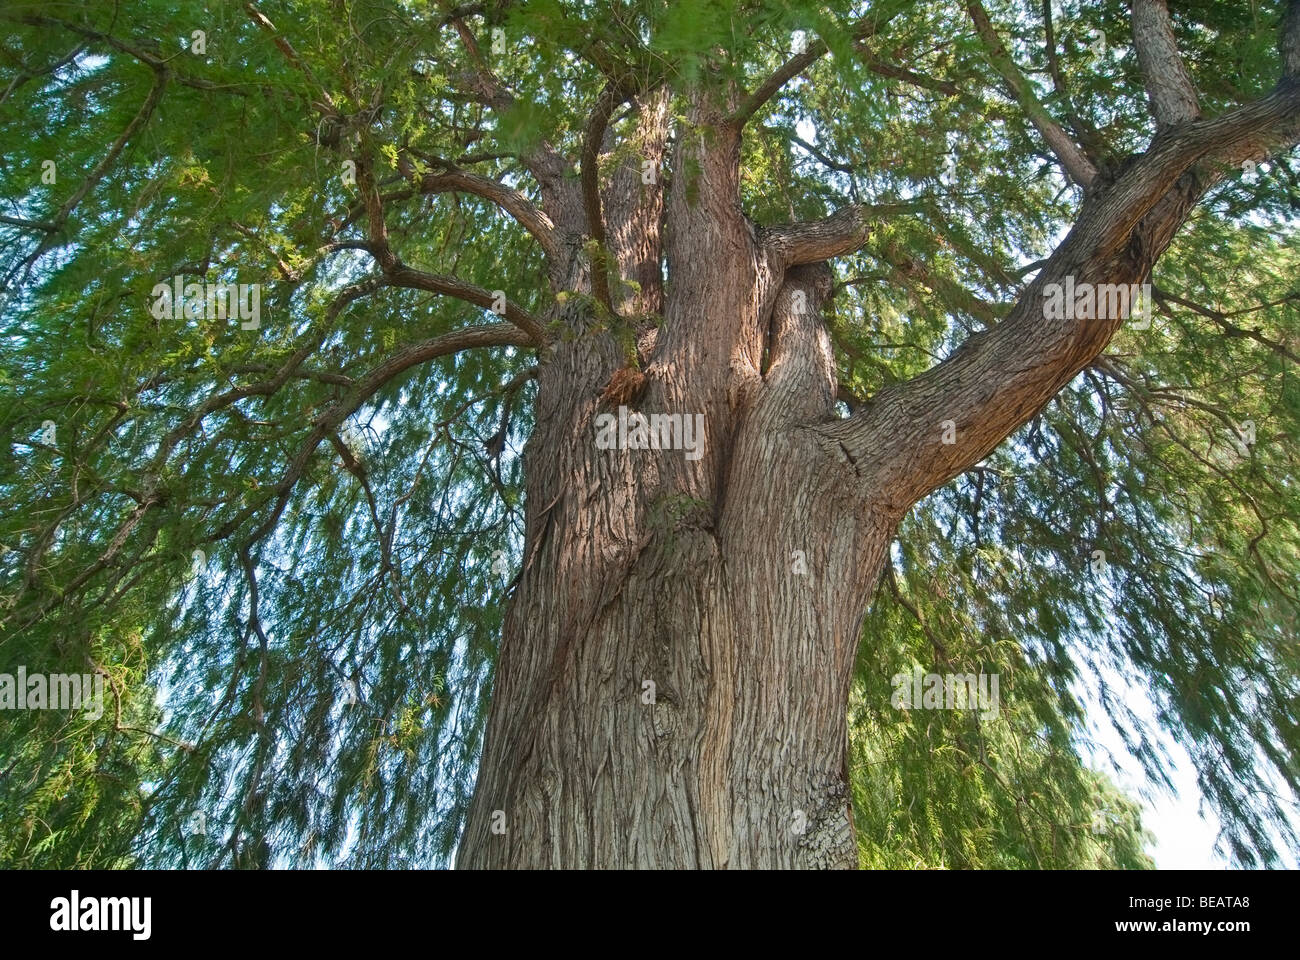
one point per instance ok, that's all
(770, 87)
(610, 97)
(1289, 41)
(55, 223)
(1079, 167)
(842, 232)
(1230, 329)
(457, 341)
(810, 241)
(148, 59)
(290, 54)
(894, 72)
(1169, 86)
(1090, 139)
(404, 276)
(398, 274)
(918, 435)
(510, 200)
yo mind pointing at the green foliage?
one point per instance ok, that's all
(317, 690)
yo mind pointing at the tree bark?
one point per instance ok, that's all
(673, 678)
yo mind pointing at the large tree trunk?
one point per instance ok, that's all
(674, 673)
(673, 679)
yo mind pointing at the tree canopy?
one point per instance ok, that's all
(285, 536)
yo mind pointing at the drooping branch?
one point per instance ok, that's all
(456, 341)
(1169, 86)
(1078, 166)
(152, 494)
(290, 54)
(398, 274)
(508, 199)
(148, 59)
(55, 223)
(404, 276)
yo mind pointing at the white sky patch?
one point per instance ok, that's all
(1184, 836)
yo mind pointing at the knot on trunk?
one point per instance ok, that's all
(624, 388)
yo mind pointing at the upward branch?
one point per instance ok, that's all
(610, 97)
(1000, 378)
(1078, 166)
(1169, 86)
(797, 64)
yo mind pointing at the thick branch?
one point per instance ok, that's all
(773, 84)
(808, 242)
(1289, 41)
(1169, 86)
(920, 434)
(511, 201)
(842, 232)
(609, 99)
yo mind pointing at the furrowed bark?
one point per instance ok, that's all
(1173, 96)
(634, 653)
(1000, 378)
(673, 677)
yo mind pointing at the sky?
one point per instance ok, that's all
(1184, 839)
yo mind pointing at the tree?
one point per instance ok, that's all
(839, 339)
